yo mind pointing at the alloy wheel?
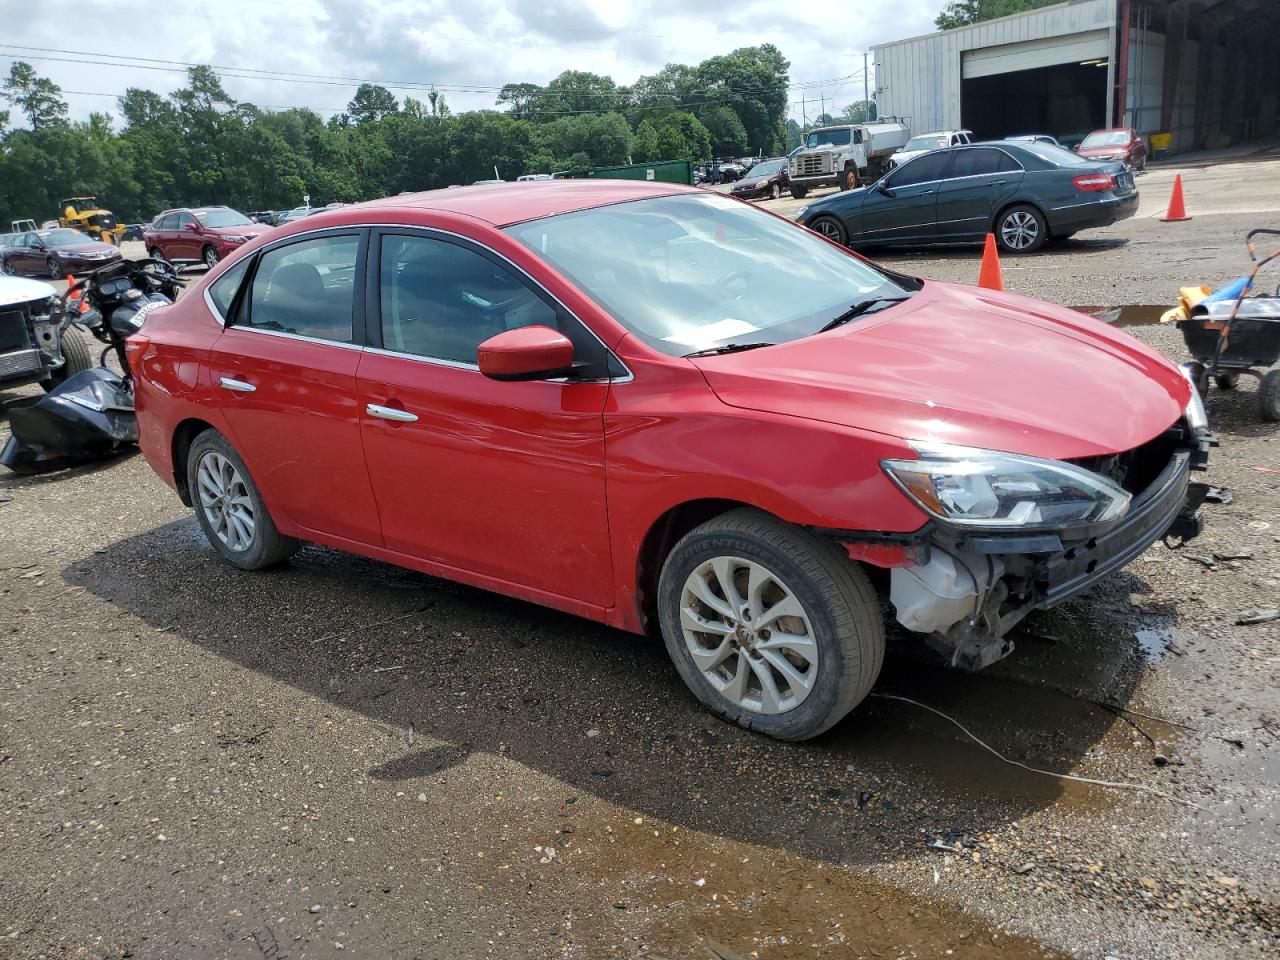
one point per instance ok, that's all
(226, 501)
(1019, 230)
(210, 257)
(775, 191)
(749, 635)
(829, 229)
(8, 269)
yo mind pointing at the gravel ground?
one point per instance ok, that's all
(343, 758)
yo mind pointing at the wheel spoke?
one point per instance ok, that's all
(691, 620)
(804, 646)
(770, 696)
(708, 660)
(698, 586)
(736, 688)
(788, 606)
(796, 681)
(723, 568)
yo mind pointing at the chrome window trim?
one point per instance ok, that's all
(421, 230)
(298, 336)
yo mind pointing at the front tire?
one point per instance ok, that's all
(229, 508)
(832, 229)
(849, 179)
(210, 257)
(1227, 381)
(770, 626)
(775, 191)
(799, 193)
(54, 269)
(1021, 229)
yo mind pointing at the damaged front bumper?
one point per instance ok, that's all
(966, 590)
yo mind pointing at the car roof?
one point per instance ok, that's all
(502, 204)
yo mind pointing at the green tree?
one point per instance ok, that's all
(752, 81)
(728, 135)
(578, 91)
(371, 103)
(645, 146)
(961, 13)
(860, 111)
(682, 136)
(604, 139)
(522, 99)
(37, 97)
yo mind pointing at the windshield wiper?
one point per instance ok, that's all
(857, 310)
(727, 348)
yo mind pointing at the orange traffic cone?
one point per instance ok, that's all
(1177, 210)
(989, 275)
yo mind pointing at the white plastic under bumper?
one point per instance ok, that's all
(934, 597)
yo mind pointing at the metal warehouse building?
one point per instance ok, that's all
(1205, 72)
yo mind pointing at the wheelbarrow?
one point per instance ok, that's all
(1239, 337)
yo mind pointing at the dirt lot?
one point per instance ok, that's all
(342, 758)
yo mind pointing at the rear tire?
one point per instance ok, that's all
(835, 627)
(229, 508)
(799, 193)
(1021, 229)
(1269, 397)
(832, 229)
(77, 357)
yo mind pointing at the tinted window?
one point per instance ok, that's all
(223, 290)
(183, 219)
(168, 222)
(973, 163)
(442, 300)
(1008, 164)
(932, 166)
(306, 288)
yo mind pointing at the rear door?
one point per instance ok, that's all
(505, 480)
(979, 182)
(907, 210)
(284, 372)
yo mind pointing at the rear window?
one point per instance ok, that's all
(1057, 156)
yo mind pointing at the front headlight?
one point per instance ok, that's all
(802, 211)
(235, 239)
(987, 488)
(1197, 418)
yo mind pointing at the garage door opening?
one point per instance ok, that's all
(1066, 101)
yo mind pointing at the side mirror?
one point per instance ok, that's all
(527, 353)
(883, 187)
(193, 227)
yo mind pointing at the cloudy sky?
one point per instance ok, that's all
(467, 50)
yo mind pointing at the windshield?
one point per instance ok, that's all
(1106, 138)
(929, 142)
(822, 138)
(1058, 156)
(63, 238)
(223, 218)
(694, 272)
(766, 169)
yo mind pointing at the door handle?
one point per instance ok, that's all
(996, 183)
(236, 386)
(390, 413)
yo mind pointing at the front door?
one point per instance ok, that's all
(502, 479)
(979, 182)
(284, 372)
(906, 210)
(183, 241)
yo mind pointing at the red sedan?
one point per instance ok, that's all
(659, 407)
(1115, 144)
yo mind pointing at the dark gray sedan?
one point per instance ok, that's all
(1023, 192)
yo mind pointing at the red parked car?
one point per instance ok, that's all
(1115, 144)
(660, 407)
(199, 234)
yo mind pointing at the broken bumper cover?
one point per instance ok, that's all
(1169, 506)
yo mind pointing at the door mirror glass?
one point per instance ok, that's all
(193, 226)
(528, 353)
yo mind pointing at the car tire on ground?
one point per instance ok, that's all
(1269, 397)
(1021, 229)
(155, 254)
(1227, 381)
(831, 228)
(210, 257)
(229, 508)
(799, 193)
(53, 269)
(848, 179)
(775, 191)
(77, 356)
(771, 626)
(7, 269)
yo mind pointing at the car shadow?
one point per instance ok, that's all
(451, 671)
(1073, 246)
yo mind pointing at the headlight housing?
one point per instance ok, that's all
(236, 238)
(987, 488)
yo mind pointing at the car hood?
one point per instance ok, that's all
(1102, 151)
(20, 290)
(84, 249)
(967, 366)
(750, 183)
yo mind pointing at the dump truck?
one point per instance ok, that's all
(84, 214)
(845, 155)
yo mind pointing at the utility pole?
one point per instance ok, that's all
(866, 91)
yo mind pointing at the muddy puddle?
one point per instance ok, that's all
(1130, 315)
(684, 895)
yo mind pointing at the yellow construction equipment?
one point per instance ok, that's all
(83, 213)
